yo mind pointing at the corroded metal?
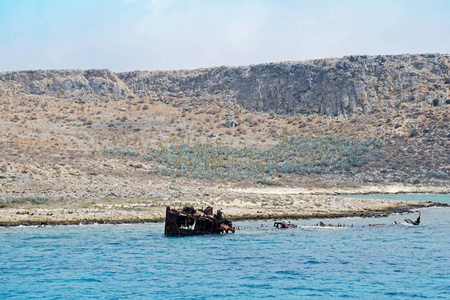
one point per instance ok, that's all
(284, 225)
(322, 224)
(416, 222)
(189, 221)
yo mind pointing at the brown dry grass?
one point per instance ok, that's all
(53, 145)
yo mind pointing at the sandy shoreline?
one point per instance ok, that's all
(239, 204)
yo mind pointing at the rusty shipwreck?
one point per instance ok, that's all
(189, 221)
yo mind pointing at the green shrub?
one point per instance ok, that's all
(291, 156)
(440, 175)
(33, 200)
(7, 201)
(121, 152)
(39, 200)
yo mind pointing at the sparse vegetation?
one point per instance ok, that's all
(292, 155)
(121, 152)
(47, 138)
(21, 200)
(439, 175)
(39, 199)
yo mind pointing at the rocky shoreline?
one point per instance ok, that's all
(279, 140)
(351, 207)
(334, 215)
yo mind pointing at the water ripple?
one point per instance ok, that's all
(139, 262)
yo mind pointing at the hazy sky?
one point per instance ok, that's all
(125, 35)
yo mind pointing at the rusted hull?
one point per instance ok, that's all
(189, 221)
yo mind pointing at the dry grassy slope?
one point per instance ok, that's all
(54, 147)
(52, 144)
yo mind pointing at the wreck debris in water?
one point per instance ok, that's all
(284, 225)
(322, 224)
(416, 222)
(189, 221)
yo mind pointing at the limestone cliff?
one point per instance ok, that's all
(89, 85)
(336, 87)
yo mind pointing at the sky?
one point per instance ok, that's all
(127, 35)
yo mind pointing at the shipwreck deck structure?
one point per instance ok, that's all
(189, 221)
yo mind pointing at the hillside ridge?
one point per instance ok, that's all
(94, 145)
(337, 87)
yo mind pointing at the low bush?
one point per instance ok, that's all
(33, 200)
(121, 152)
(291, 156)
(7, 201)
(39, 199)
(438, 174)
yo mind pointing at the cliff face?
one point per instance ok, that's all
(89, 85)
(336, 87)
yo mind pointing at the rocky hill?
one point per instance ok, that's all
(76, 137)
(335, 87)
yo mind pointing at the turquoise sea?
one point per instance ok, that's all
(138, 262)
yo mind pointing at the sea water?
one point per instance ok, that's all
(392, 261)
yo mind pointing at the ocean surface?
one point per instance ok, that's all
(394, 261)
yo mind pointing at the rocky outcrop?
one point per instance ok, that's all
(89, 85)
(336, 87)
